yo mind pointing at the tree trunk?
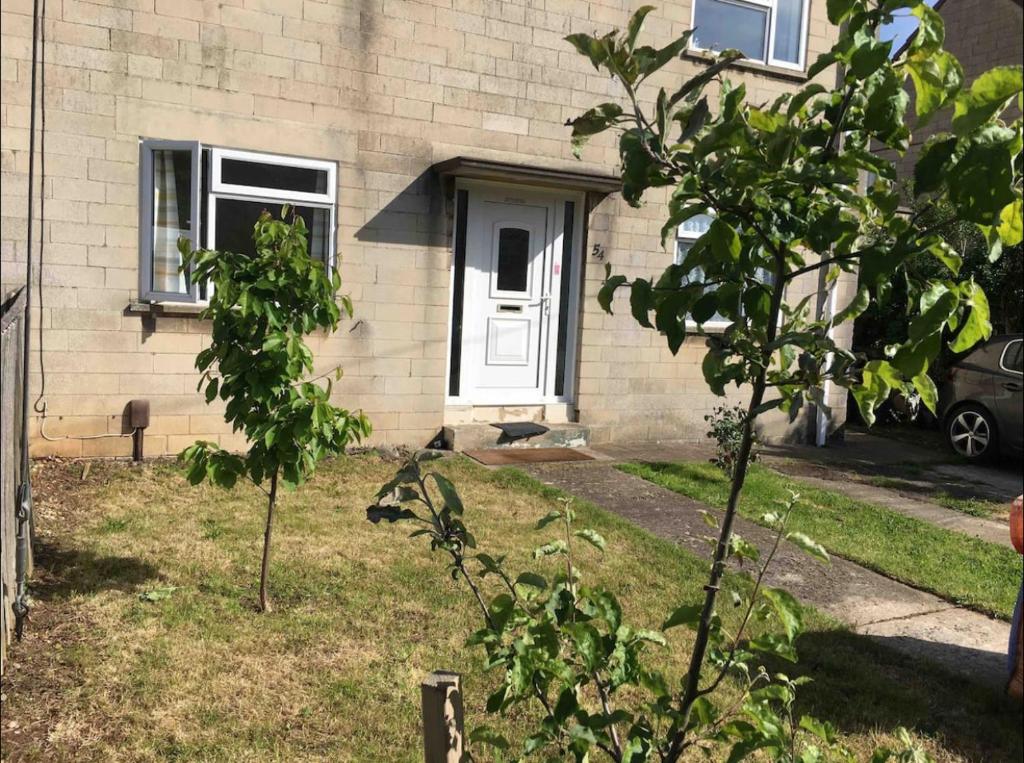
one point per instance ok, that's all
(691, 691)
(264, 605)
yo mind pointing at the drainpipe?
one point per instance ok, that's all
(821, 428)
(24, 508)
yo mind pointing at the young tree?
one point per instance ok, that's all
(783, 183)
(260, 309)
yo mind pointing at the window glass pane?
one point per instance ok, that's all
(513, 259)
(719, 25)
(235, 220)
(788, 19)
(1014, 358)
(172, 217)
(267, 175)
(696, 226)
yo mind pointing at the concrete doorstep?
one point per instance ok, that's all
(913, 622)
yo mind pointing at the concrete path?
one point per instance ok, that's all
(914, 622)
(863, 455)
(986, 529)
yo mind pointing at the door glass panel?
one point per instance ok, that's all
(235, 220)
(513, 259)
(719, 25)
(266, 175)
(172, 217)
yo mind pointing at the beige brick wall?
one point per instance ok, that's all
(384, 87)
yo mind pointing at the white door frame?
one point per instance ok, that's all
(555, 199)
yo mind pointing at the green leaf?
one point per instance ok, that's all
(448, 492)
(485, 735)
(550, 549)
(857, 305)
(930, 170)
(990, 94)
(937, 78)
(547, 519)
(157, 594)
(533, 580)
(926, 389)
(607, 292)
(808, 545)
(590, 47)
(1011, 225)
(947, 255)
(641, 300)
(981, 182)
(977, 327)
(211, 390)
(724, 241)
(838, 10)
(687, 614)
(705, 308)
(636, 21)
(823, 730)
(592, 537)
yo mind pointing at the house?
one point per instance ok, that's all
(424, 144)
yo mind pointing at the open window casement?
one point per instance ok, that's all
(169, 206)
(212, 197)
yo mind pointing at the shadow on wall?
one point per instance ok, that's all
(419, 215)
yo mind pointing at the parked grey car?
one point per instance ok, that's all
(980, 400)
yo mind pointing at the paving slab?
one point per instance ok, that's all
(912, 621)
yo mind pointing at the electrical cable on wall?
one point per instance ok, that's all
(40, 404)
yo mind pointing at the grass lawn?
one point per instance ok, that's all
(361, 615)
(962, 569)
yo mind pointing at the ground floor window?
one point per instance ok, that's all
(212, 197)
(686, 236)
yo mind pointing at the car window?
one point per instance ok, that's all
(1013, 357)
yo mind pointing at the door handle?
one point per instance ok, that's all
(1013, 386)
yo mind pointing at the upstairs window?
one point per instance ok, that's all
(767, 31)
(212, 197)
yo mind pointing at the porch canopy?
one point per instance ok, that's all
(526, 174)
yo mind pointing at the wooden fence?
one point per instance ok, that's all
(11, 423)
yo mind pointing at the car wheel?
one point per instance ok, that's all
(971, 432)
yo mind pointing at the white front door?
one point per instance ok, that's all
(513, 264)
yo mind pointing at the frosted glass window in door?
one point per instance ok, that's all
(513, 259)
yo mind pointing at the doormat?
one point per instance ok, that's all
(505, 456)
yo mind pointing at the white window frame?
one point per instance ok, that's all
(146, 253)
(768, 59)
(204, 205)
(691, 237)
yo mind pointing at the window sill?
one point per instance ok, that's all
(165, 309)
(778, 72)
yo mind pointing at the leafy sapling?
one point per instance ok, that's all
(783, 183)
(261, 308)
(568, 653)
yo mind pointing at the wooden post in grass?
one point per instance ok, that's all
(442, 717)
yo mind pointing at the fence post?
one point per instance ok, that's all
(442, 717)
